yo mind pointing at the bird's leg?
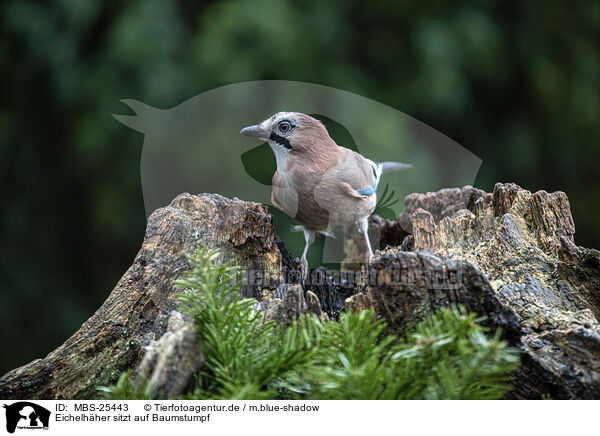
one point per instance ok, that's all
(364, 229)
(309, 237)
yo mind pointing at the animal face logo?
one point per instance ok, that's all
(26, 415)
(196, 147)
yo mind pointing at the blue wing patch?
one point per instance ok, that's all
(368, 191)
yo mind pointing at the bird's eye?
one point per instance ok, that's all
(285, 126)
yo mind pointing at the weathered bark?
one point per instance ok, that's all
(170, 363)
(511, 256)
(137, 311)
(289, 302)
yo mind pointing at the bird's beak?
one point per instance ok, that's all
(255, 131)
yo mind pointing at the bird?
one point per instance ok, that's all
(318, 182)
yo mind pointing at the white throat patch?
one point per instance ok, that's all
(281, 156)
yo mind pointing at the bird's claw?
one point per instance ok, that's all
(303, 269)
(368, 257)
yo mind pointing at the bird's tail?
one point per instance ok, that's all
(387, 167)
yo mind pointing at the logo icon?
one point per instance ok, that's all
(26, 415)
(196, 146)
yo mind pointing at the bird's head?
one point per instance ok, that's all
(292, 133)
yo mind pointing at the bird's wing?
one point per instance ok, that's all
(341, 189)
(360, 174)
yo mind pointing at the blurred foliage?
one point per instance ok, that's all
(514, 82)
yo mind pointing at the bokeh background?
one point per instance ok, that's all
(517, 83)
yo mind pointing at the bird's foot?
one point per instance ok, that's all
(368, 256)
(303, 269)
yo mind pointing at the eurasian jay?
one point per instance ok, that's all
(317, 182)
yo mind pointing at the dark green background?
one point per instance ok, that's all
(515, 82)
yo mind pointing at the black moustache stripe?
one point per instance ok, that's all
(280, 140)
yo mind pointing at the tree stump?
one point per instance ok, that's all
(509, 255)
(137, 310)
